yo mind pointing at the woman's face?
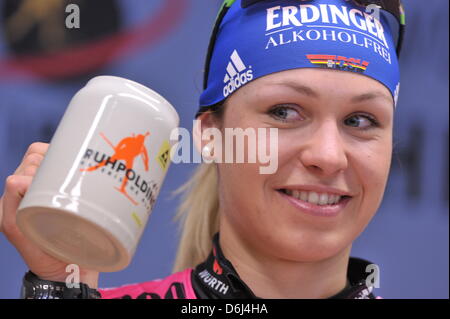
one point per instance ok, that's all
(334, 137)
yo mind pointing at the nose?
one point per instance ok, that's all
(324, 152)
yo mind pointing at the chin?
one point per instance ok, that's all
(303, 247)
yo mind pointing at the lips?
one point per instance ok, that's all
(316, 203)
(316, 198)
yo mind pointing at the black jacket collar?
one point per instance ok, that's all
(216, 278)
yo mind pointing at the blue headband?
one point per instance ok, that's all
(273, 36)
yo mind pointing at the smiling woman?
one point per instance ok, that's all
(290, 227)
(289, 234)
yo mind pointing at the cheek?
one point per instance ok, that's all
(371, 165)
(377, 163)
(240, 187)
(246, 193)
(240, 184)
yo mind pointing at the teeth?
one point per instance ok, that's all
(332, 199)
(304, 196)
(323, 199)
(314, 198)
(338, 198)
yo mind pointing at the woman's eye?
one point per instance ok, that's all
(361, 121)
(285, 113)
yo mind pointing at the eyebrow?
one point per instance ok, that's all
(306, 90)
(371, 96)
(303, 89)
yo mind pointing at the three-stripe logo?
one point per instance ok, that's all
(237, 74)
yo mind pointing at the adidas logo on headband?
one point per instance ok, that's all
(237, 74)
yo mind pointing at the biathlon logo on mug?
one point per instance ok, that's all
(126, 150)
(236, 74)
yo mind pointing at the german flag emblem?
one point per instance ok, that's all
(338, 62)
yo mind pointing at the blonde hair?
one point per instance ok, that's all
(198, 216)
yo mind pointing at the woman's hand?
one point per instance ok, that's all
(38, 261)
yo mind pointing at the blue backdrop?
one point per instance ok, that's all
(162, 44)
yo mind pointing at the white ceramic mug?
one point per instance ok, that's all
(91, 198)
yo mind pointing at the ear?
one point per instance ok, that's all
(203, 122)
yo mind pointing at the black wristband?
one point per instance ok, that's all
(36, 288)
